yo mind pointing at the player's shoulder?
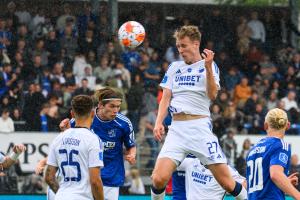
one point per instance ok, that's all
(277, 143)
(122, 120)
(174, 66)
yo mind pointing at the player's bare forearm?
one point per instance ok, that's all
(8, 162)
(163, 106)
(281, 181)
(50, 178)
(211, 86)
(97, 190)
(96, 183)
(130, 155)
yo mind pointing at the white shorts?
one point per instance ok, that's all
(195, 137)
(111, 193)
(50, 194)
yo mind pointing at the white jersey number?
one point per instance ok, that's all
(255, 181)
(70, 162)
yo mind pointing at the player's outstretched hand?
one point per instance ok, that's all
(158, 131)
(19, 148)
(130, 158)
(64, 124)
(294, 178)
(208, 56)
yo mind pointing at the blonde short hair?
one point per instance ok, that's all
(277, 119)
(190, 31)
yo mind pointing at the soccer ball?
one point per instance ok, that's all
(131, 34)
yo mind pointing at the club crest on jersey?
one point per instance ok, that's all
(112, 133)
(283, 158)
(201, 70)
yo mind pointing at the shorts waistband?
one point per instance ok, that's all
(186, 117)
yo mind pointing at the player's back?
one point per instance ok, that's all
(267, 152)
(72, 150)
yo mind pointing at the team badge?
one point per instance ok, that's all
(112, 133)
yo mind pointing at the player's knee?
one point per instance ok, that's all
(158, 181)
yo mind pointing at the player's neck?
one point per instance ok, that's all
(83, 123)
(275, 133)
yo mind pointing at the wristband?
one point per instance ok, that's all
(14, 156)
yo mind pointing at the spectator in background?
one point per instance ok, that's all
(7, 79)
(242, 92)
(6, 123)
(290, 101)
(19, 122)
(153, 144)
(83, 89)
(22, 13)
(68, 41)
(5, 35)
(272, 100)
(62, 19)
(82, 20)
(52, 46)
(258, 35)
(136, 185)
(135, 100)
(229, 146)
(33, 100)
(231, 79)
(241, 160)
(103, 71)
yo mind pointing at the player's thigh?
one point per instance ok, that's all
(111, 193)
(222, 175)
(164, 167)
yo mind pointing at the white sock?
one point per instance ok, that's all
(242, 195)
(160, 196)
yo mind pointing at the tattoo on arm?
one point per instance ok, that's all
(51, 179)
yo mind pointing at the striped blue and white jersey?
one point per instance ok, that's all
(114, 134)
(188, 86)
(267, 152)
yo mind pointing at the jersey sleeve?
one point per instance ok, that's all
(167, 80)
(129, 139)
(281, 156)
(216, 74)
(2, 158)
(95, 151)
(52, 156)
(235, 175)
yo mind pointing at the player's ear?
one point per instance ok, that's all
(266, 126)
(100, 105)
(288, 126)
(92, 113)
(72, 114)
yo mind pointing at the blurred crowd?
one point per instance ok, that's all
(47, 56)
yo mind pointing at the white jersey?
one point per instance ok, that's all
(188, 86)
(74, 152)
(200, 182)
(2, 158)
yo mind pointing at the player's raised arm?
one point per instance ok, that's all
(159, 128)
(12, 158)
(211, 86)
(96, 183)
(281, 180)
